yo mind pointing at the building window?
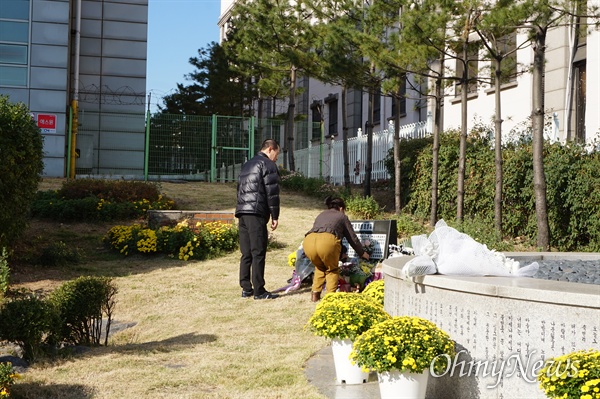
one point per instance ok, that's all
(580, 100)
(332, 110)
(402, 99)
(333, 118)
(473, 66)
(507, 46)
(14, 42)
(316, 107)
(377, 107)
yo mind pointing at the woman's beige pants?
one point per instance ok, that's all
(323, 250)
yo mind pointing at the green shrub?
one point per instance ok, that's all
(27, 321)
(110, 190)
(408, 226)
(573, 191)
(312, 186)
(363, 207)
(95, 207)
(81, 305)
(59, 254)
(410, 149)
(484, 232)
(291, 180)
(4, 273)
(21, 153)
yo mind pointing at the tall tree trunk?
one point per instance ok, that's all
(259, 122)
(462, 152)
(345, 139)
(397, 160)
(498, 149)
(289, 132)
(537, 117)
(437, 129)
(573, 30)
(369, 129)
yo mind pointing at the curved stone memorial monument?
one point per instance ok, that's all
(504, 327)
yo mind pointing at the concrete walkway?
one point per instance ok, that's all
(320, 372)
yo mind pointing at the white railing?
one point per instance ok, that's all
(326, 160)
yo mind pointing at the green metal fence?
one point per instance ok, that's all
(164, 146)
(179, 146)
(232, 144)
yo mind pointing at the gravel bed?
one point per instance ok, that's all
(575, 271)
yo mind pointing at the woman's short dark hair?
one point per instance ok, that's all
(334, 202)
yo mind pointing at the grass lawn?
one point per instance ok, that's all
(194, 337)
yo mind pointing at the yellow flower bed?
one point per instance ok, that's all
(200, 242)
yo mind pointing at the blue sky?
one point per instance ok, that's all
(176, 30)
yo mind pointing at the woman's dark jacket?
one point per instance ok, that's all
(258, 188)
(337, 223)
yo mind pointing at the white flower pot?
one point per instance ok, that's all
(345, 371)
(402, 385)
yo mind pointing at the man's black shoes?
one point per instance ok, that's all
(266, 295)
(247, 294)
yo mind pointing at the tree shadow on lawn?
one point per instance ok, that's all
(166, 345)
(43, 278)
(36, 390)
(172, 344)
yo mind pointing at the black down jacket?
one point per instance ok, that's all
(258, 188)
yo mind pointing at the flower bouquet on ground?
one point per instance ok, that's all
(410, 344)
(345, 315)
(354, 275)
(575, 375)
(368, 246)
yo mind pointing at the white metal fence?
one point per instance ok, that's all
(326, 160)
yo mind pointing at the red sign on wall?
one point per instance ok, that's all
(47, 123)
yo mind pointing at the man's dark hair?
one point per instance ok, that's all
(269, 143)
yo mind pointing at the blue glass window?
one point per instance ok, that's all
(13, 54)
(14, 42)
(14, 31)
(13, 76)
(14, 9)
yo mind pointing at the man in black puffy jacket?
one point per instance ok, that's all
(257, 202)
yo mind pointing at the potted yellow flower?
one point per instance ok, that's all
(343, 316)
(574, 375)
(375, 290)
(402, 350)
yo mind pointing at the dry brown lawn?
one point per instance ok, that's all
(194, 336)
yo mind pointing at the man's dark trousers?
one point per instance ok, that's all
(253, 245)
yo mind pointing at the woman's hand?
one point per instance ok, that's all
(365, 256)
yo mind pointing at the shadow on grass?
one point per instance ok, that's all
(36, 390)
(167, 345)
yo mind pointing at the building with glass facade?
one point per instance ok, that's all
(55, 52)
